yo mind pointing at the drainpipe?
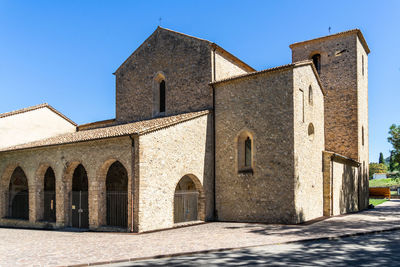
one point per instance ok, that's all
(132, 177)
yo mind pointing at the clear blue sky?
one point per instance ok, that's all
(64, 52)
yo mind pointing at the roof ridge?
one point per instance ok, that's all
(31, 108)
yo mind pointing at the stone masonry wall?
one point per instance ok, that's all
(341, 185)
(263, 106)
(339, 78)
(225, 68)
(363, 148)
(95, 156)
(183, 61)
(308, 148)
(164, 157)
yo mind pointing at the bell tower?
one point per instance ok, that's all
(342, 63)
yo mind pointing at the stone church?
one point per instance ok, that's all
(199, 135)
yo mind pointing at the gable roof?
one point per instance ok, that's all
(274, 69)
(349, 32)
(212, 45)
(135, 128)
(44, 105)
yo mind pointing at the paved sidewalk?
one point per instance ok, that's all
(55, 248)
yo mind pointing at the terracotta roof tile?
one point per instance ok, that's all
(135, 128)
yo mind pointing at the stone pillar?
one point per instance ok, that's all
(93, 195)
(33, 199)
(62, 200)
(327, 183)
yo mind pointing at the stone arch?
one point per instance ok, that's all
(102, 184)
(18, 195)
(4, 186)
(189, 192)
(245, 151)
(43, 172)
(67, 182)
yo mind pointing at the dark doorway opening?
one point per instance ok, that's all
(80, 201)
(18, 195)
(117, 195)
(49, 213)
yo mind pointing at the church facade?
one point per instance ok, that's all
(199, 135)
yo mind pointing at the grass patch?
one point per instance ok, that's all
(384, 182)
(376, 202)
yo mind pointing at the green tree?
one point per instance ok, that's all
(376, 168)
(394, 139)
(381, 159)
(392, 165)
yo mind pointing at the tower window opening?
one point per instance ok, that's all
(317, 62)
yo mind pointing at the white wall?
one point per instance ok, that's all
(32, 126)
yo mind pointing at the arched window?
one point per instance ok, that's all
(311, 131)
(245, 152)
(159, 94)
(317, 62)
(162, 97)
(310, 96)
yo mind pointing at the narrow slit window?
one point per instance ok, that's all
(362, 135)
(301, 102)
(362, 64)
(310, 95)
(162, 96)
(247, 152)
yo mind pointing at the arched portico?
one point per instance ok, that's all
(117, 195)
(46, 193)
(113, 204)
(18, 195)
(189, 200)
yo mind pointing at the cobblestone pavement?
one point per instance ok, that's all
(54, 248)
(379, 249)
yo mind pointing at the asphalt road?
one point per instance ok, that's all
(377, 249)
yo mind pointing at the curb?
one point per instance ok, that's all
(231, 249)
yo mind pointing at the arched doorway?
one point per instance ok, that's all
(188, 200)
(117, 195)
(49, 198)
(18, 195)
(80, 203)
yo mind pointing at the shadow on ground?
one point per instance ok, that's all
(367, 250)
